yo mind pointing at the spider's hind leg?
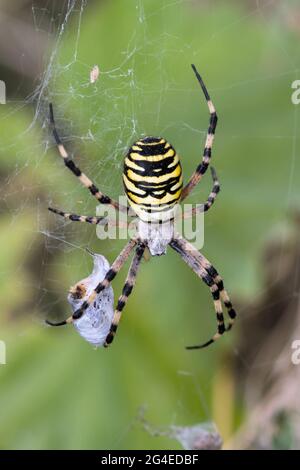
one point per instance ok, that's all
(127, 289)
(193, 258)
(203, 262)
(218, 309)
(223, 292)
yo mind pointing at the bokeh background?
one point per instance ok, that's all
(56, 391)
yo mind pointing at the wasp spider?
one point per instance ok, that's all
(153, 184)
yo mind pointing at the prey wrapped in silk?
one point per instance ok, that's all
(94, 325)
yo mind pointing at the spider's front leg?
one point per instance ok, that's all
(201, 266)
(127, 289)
(201, 169)
(110, 275)
(84, 179)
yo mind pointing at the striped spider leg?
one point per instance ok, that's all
(79, 218)
(202, 167)
(127, 289)
(202, 267)
(86, 182)
(110, 275)
(210, 200)
(90, 219)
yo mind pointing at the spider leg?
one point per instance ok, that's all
(223, 293)
(210, 200)
(127, 289)
(110, 275)
(102, 198)
(211, 271)
(94, 220)
(202, 167)
(189, 255)
(79, 218)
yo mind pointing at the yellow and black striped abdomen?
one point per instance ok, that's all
(152, 175)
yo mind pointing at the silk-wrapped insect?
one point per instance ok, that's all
(94, 326)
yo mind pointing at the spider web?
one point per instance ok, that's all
(99, 121)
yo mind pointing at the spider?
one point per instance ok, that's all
(153, 184)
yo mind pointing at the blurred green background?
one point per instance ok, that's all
(56, 391)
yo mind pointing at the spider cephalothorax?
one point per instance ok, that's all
(153, 184)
